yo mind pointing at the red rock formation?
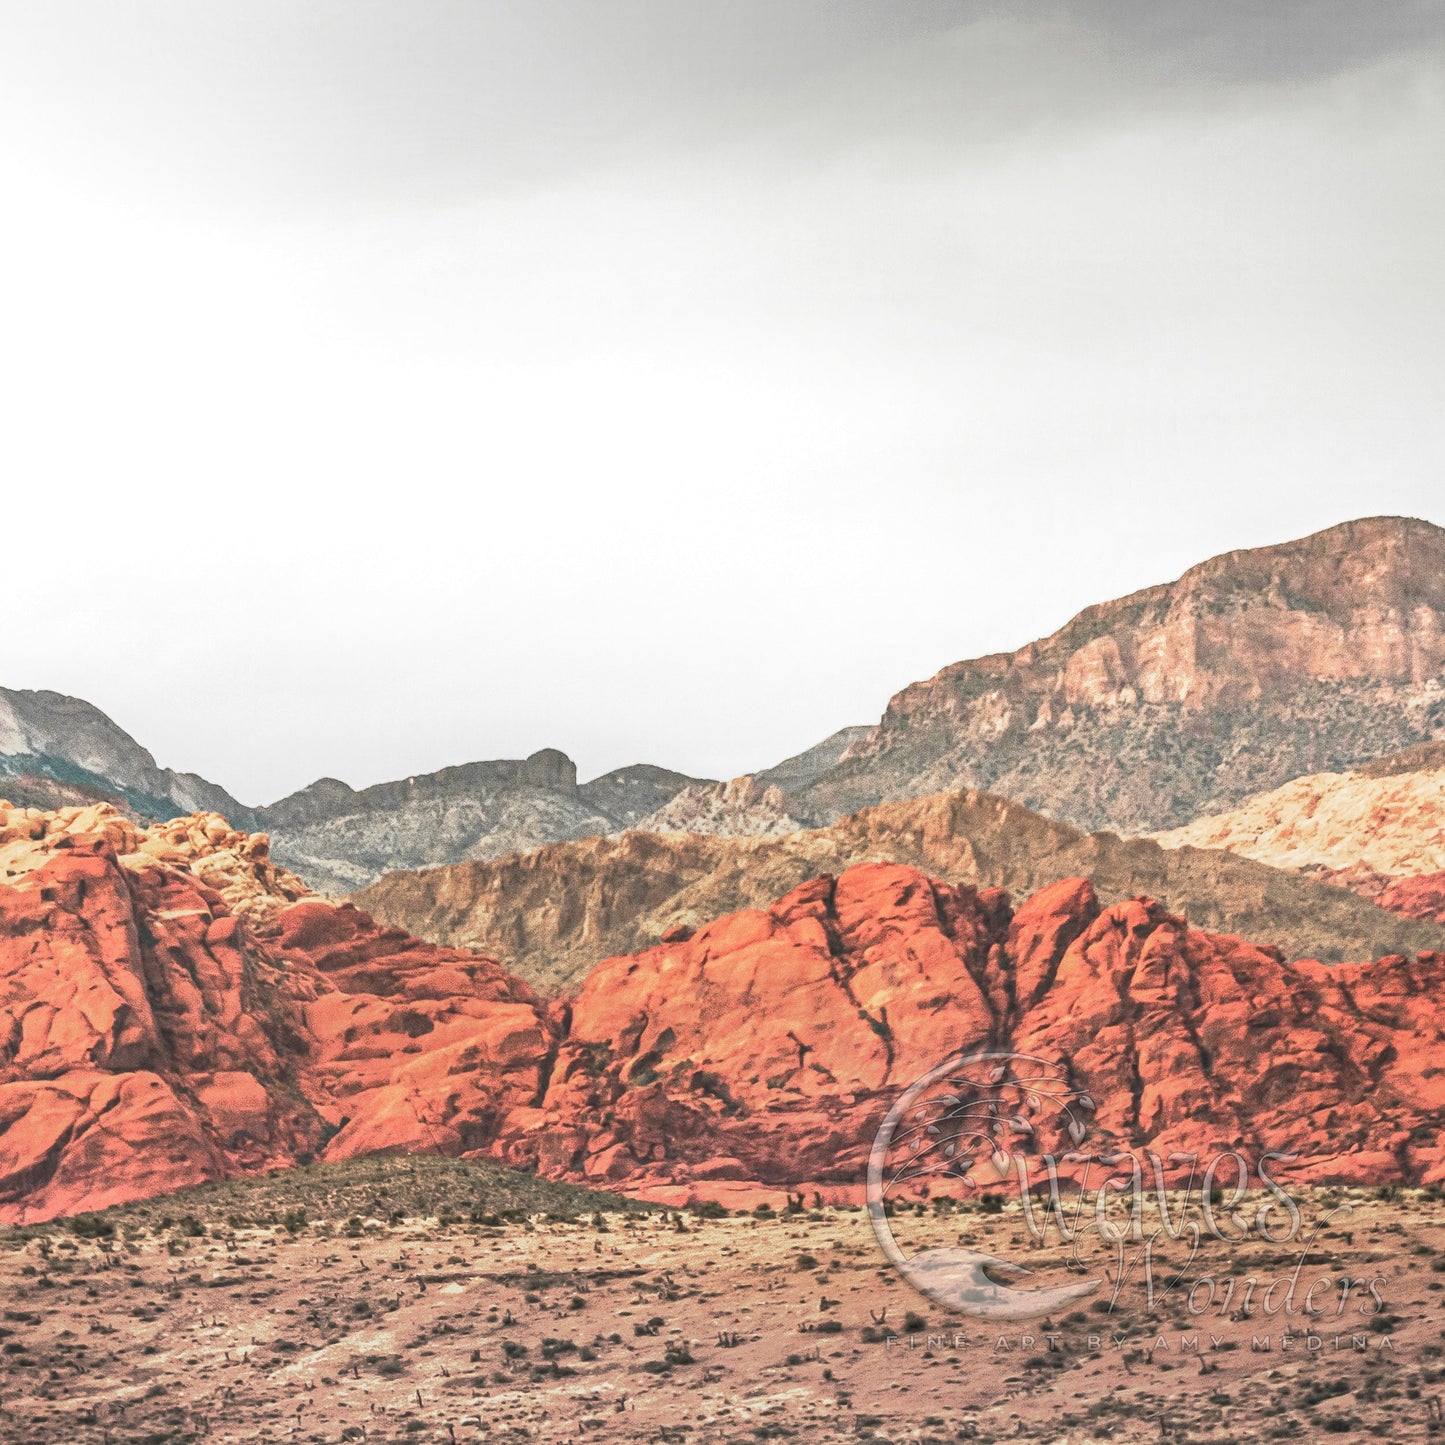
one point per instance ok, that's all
(766, 1046)
(412, 1046)
(152, 1037)
(1416, 897)
(142, 1047)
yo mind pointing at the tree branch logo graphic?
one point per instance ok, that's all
(974, 1121)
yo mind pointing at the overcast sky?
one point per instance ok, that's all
(392, 385)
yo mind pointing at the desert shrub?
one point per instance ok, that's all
(90, 1226)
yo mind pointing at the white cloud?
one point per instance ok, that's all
(699, 447)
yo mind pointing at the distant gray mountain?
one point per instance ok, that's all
(797, 772)
(339, 839)
(56, 751)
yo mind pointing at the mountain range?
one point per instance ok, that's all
(1137, 716)
(555, 912)
(174, 1009)
(690, 988)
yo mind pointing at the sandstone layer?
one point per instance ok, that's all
(555, 912)
(1378, 830)
(1392, 824)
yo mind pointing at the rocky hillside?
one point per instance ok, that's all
(339, 839)
(554, 912)
(1145, 713)
(158, 1030)
(739, 808)
(1378, 829)
(58, 751)
(795, 773)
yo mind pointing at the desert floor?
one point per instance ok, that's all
(216, 1326)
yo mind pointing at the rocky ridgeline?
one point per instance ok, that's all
(156, 1032)
(555, 912)
(1145, 712)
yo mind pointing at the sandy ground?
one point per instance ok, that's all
(673, 1328)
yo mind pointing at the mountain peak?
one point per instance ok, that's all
(1141, 713)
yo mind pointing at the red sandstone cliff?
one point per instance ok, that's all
(766, 1046)
(156, 1032)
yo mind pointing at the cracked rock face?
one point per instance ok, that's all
(167, 1018)
(170, 1014)
(766, 1046)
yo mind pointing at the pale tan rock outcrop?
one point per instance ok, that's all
(1392, 825)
